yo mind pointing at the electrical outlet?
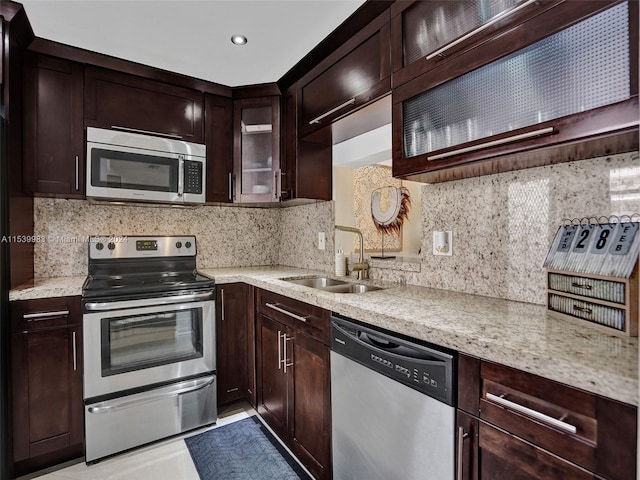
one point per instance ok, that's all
(321, 241)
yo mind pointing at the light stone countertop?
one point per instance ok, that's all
(519, 335)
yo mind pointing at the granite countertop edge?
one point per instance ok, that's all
(518, 335)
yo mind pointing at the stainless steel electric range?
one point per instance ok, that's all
(148, 342)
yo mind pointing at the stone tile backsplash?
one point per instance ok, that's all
(503, 224)
(502, 227)
(227, 236)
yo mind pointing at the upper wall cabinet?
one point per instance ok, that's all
(360, 73)
(425, 34)
(565, 81)
(257, 150)
(114, 99)
(218, 137)
(53, 141)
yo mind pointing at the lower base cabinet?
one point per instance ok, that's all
(523, 427)
(234, 343)
(293, 378)
(47, 426)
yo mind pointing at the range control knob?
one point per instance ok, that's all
(188, 244)
(111, 246)
(99, 246)
(178, 244)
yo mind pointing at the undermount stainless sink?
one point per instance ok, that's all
(352, 288)
(316, 282)
(332, 285)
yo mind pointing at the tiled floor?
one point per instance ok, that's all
(168, 460)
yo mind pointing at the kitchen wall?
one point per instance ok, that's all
(503, 224)
(227, 236)
(502, 227)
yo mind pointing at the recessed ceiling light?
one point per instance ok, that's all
(238, 39)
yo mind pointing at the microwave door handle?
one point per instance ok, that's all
(180, 175)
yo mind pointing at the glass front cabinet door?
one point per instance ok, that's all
(257, 150)
(564, 80)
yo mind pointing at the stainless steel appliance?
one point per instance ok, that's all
(148, 342)
(132, 166)
(392, 402)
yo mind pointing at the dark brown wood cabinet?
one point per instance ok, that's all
(355, 74)
(256, 150)
(116, 99)
(497, 124)
(293, 374)
(218, 137)
(523, 426)
(307, 167)
(234, 337)
(47, 426)
(53, 126)
(427, 34)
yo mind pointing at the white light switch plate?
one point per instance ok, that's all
(321, 241)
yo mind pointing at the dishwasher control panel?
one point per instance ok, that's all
(417, 366)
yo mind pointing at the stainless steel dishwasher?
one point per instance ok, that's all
(392, 400)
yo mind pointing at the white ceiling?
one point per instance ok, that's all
(192, 37)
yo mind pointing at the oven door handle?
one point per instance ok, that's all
(174, 391)
(148, 302)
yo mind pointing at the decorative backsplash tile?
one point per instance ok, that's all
(226, 236)
(503, 224)
(502, 227)
(299, 242)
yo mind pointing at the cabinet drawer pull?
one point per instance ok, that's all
(35, 317)
(233, 390)
(532, 413)
(275, 307)
(145, 132)
(493, 143)
(479, 29)
(577, 285)
(230, 186)
(333, 110)
(461, 436)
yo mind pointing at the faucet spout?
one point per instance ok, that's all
(362, 267)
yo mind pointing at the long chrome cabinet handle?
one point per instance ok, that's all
(230, 186)
(145, 132)
(275, 307)
(44, 315)
(285, 338)
(222, 302)
(77, 172)
(493, 143)
(532, 413)
(461, 436)
(333, 110)
(151, 302)
(174, 391)
(74, 351)
(279, 351)
(479, 29)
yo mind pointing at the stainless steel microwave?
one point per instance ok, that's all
(132, 166)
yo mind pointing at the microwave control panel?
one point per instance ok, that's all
(192, 177)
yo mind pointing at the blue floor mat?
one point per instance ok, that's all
(243, 450)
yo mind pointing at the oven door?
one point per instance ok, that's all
(132, 348)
